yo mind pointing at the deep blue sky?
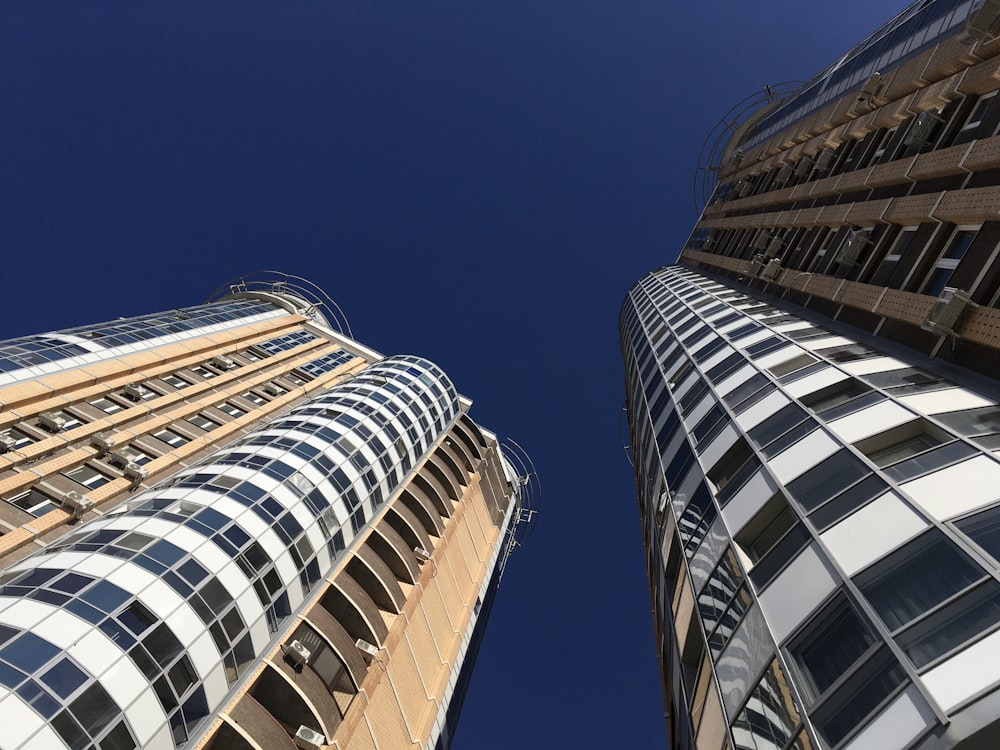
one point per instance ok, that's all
(478, 182)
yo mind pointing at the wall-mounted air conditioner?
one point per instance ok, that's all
(922, 130)
(824, 160)
(271, 389)
(946, 311)
(871, 88)
(77, 502)
(134, 392)
(103, 442)
(784, 174)
(51, 421)
(135, 472)
(309, 739)
(762, 240)
(366, 648)
(979, 25)
(803, 166)
(223, 362)
(297, 653)
(771, 270)
(850, 249)
(774, 247)
(7, 441)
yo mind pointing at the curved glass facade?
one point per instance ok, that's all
(134, 628)
(815, 581)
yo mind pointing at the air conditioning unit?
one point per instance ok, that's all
(771, 270)
(762, 240)
(7, 441)
(946, 311)
(737, 158)
(922, 129)
(51, 421)
(103, 441)
(309, 739)
(134, 472)
(134, 391)
(272, 390)
(774, 247)
(223, 362)
(979, 25)
(851, 249)
(122, 457)
(421, 554)
(783, 174)
(365, 647)
(824, 160)
(77, 502)
(742, 188)
(803, 167)
(297, 653)
(756, 266)
(871, 88)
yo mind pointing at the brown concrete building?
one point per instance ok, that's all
(232, 526)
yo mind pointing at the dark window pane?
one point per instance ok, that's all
(829, 477)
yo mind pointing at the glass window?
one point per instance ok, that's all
(932, 596)
(846, 670)
(34, 502)
(170, 437)
(175, 381)
(770, 717)
(106, 405)
(958, 244)
(203, 371)
(87, 476)
(828, 478)
(231, 410)
(766, 528)
(202, 422)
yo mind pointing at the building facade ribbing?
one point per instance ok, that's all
(232, 526)
(814, 416)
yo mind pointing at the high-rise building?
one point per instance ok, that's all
(814, 418)
(231, 526)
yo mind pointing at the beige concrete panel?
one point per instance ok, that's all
(435, 611)
(908, 78)
(982, 326)
(869, 213)
(852, 181)
(23, 392)
(912, 209)
(906, 306)
(981, 78)
(969, 206)
(386, 722)
(824, 187)
(984, 154)
(862, 126)
(892, 173)
(801, 191)
(949, 57)
(414, 700)
(834, 216)
(894, 112)
(940, 163)
(936, 96)
(426, 653)
(863, 296)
